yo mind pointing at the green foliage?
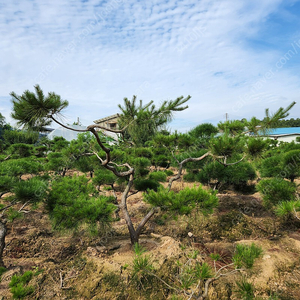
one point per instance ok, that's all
(138, 249)
(23, 150)
(245, 255)
(142, 266)
(255, 146)
(226, 145)
(175, 297)
(291, 162)
(86, 164)
(184, 141)
(162, 141)
(11, 137)
(24, 279)
(163, 144)
(19, 291)
(6, 183)
(70, 203)
(194, 254)
(158, 176)
(2, 271)
(161, 160)
(272, 120)
(146, 184)
(183, 201)
(169, 172)
(215, 256)
(253, 125)
(237, 174)
(276, 190)
(68, 187)
(285, 147)
(107, 188)
(30, 165)
(112, 279)
(287, 208)
(204, 130)
(2, 120)
(141, 263)
(192, 166)
(33, 189)
(270, 166)
(13, 214)
(37, 271)
(58, 162)
(233, 127)
(59, 143)
(118, 155)
(245, 289)
(18, 167)
(45, 141)
(203, 271)
(18, 285)
(190, 274)
(140, 164)
(11, 168)
(33, 109)
(142, 152)
(193, 272)
(274, 296)
(144, 121)
(104, 176)
(190, 177)
(271, 143)
(289, 123)
(41, 151)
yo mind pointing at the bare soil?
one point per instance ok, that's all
(73, 266)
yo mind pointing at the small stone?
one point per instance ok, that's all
(157, 236)
(266, 256)
(101, 249)
(91, 251)
(190, 234)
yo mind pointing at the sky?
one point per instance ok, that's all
(234, 57)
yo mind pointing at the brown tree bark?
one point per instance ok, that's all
(123, 206)
(2, 241)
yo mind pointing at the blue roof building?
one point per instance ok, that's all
(286, 134)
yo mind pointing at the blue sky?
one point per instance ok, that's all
(232, 56)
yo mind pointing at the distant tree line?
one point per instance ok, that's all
(285, 123)
(289, 123)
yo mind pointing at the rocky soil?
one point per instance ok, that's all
(75, 265)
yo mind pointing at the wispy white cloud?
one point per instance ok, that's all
(94, 53)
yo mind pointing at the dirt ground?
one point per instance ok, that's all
(72, 265)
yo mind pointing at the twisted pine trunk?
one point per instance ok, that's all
(2, 241)
(134, 233)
